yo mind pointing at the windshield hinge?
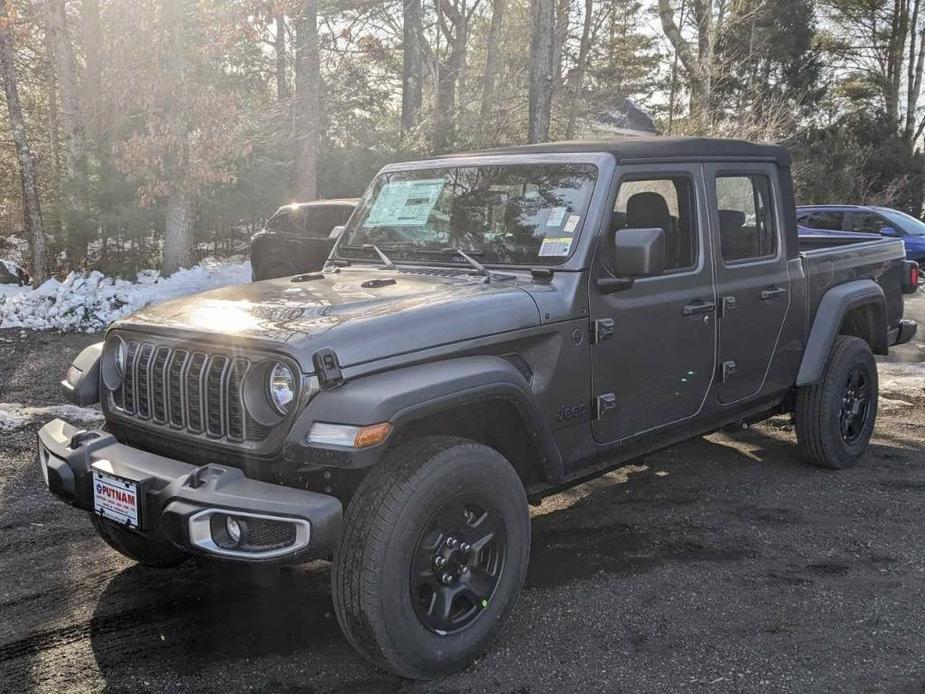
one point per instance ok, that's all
(327, 368)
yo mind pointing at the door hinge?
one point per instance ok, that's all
(726, 369)
(601, 330)
(726, 304)
(604, 404)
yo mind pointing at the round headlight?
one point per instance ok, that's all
(282, 387)
(113, 362)
(121, 350)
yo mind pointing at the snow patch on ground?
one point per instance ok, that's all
(88, 302)
(901, 382)
(15, 416)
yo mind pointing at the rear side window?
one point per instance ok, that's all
(822, 219)
(867, 222)
(746, 217)
(661, 203)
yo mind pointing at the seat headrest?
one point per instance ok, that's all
(648, 210)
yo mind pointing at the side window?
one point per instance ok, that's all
(746, 217)
(867, 222)
(820, 219)
(661, 203)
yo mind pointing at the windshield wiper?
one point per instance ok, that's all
(479, 268)
(386, 261)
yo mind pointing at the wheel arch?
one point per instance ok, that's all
(856, 308)
(482, 398)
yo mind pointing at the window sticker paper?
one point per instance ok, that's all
(571, 224)
(556, 216)
(405, 203)
(555, 246)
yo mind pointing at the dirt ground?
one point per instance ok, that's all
(722, 564)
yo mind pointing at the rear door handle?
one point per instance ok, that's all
(696, 307)
(772, 293)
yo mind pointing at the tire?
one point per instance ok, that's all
(403, 515)
(822, 409)
(158, 554)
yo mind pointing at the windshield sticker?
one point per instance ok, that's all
(405, 203)
(571, 224)
(556, 216)
(555, 245)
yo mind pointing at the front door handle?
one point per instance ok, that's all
(772, 293)
(697, 307)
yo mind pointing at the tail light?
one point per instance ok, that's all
(910, 276)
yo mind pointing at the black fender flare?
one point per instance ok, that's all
(833, 307)
(406, 395)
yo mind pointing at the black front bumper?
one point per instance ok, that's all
(176, 500)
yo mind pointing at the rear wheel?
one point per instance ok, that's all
(835, 417)
(434, 552)
(150, 552)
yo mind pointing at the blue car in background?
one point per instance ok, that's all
(864, 219)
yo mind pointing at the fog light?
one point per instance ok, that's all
(233, 528)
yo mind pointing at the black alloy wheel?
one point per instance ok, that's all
(456, 565)
(855, 407)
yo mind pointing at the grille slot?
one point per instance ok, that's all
(188, 390)
(266, 534)
(519, 363)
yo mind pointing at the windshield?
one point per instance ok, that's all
(905, 222)
(508, 214)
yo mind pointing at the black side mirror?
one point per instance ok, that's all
(636, 253)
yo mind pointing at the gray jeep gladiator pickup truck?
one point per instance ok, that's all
(489, 328)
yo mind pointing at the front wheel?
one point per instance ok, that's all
(434, 552)
(835, 417)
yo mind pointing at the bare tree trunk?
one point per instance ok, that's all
(915, 65)
(542, 64)
(179, 250)
(179, 246)
(76, 225)
(412, 86)
(31, 207)
(584, 48)
(93, 89)
(279, 46)
(308, 99)
(698, 68)
(562, 22)
(454, 24)
(54, 145)
(492, 59)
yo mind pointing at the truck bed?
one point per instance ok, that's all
(833, 258)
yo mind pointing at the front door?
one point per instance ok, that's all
(654, 351)
(751, 273)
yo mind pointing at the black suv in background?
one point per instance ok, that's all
(298, 238)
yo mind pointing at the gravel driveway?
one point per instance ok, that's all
(722, 564)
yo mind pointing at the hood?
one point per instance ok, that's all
(364, 314)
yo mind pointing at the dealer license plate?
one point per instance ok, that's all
(116, 498)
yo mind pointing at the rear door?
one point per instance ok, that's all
(751, 273)
(654, 347)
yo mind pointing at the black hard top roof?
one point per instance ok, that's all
(654, 148)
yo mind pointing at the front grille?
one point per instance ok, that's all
(187, 389)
